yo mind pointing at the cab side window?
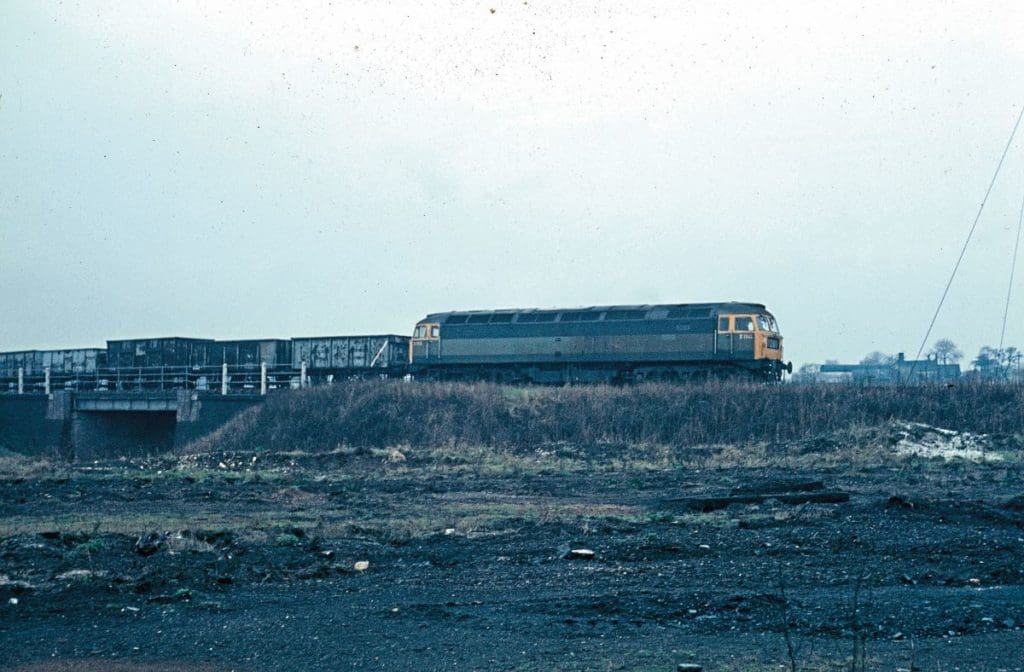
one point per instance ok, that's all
(744, 324)
(435, 331)
(723, 324)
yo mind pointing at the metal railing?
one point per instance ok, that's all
(224, 379)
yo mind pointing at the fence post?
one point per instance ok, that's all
(263, 378)
(46, 380)
(224, 378)
(21, 380)
(302, 374)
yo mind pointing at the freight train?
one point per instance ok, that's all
(198, 363)
(611, 344)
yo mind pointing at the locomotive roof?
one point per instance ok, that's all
(735, 306)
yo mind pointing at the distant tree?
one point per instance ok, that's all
(877, 358)
(1013, 363)
(946, 352)
(807, 373)
(1006, 361)
(989, 361)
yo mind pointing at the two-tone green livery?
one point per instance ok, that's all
(614, 344)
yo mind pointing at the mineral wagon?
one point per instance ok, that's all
(252, 352)
(352, 356)
(160, 352)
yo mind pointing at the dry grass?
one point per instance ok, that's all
(14, 466)
(521, 419)
(470, 515)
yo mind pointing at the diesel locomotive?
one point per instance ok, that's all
(611, 344)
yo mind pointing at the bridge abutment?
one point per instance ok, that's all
(105, 425)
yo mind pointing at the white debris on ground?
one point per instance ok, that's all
(178, 542)
(920, 440)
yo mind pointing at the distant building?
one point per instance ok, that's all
(902, 370)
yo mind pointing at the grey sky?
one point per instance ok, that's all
(232, 169)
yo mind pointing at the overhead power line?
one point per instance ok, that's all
(1013, 267)
(967, 242)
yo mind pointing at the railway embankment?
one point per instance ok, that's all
(462, 414)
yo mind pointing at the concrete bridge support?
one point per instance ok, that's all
(103, 425)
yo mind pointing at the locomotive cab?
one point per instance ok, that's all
(753, 335)
(425, 343)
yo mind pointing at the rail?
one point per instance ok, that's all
(226, 379)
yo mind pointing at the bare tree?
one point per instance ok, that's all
(877, 358)
(807, 373)
(1013, 358)
(946, 352)
(989, 361)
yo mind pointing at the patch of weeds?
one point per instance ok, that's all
(180, 595)
(262, 476)
(14, 466)
(710, 519)
(392, 455)
(813, 665)
(88, 548)
(187, 475)
(661, 517)
(517, 395)
(398, 537)
(287, 539)
(221, 536)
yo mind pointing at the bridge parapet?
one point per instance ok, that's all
(162, 402)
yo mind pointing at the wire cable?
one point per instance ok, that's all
(1013, 267)
(967, 242)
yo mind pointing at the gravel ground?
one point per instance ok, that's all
(199, 563)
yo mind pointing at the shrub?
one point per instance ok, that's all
(88, 548)
(287, 539)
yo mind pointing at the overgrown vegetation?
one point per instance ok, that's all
(373, 414)
(14, 465)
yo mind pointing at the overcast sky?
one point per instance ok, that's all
(277, 169)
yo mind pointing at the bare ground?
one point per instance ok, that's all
(248, 560)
